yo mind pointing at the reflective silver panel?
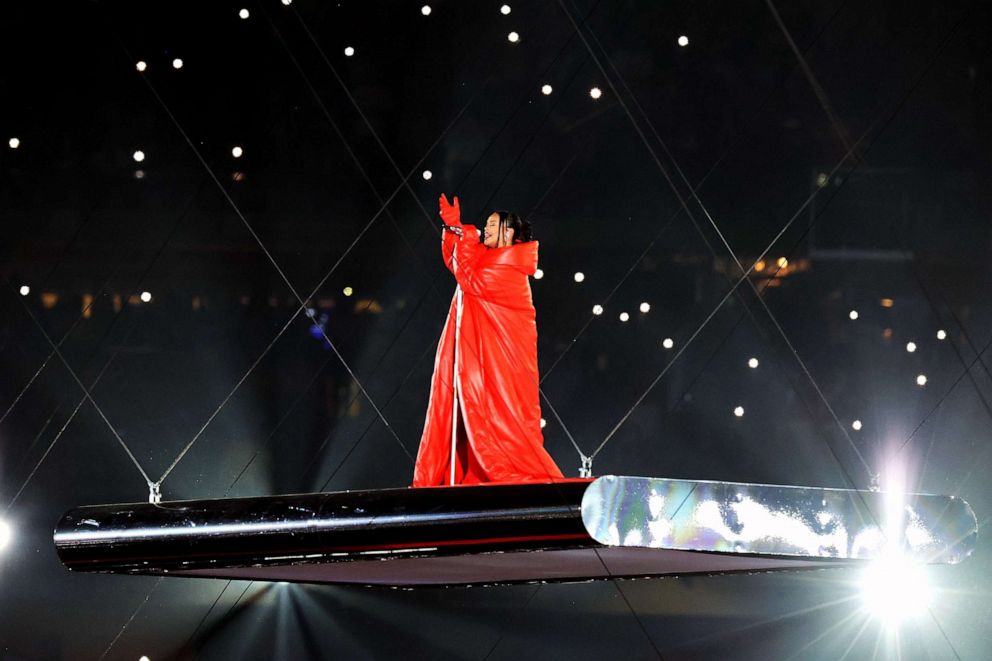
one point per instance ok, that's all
(731, 517)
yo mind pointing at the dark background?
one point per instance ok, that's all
(865, 162)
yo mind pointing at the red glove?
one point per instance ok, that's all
(450, 214)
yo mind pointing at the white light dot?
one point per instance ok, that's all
(752, 363)
(595, 92)
(244, 13)
(426, 10)
(543, 423)
(538, 274)
(546, 90)
(14, 143)
(597, 309)
(941, 334)
(645, 307)
(856, 425)
(427, 175)
(287, 2)
(177, 63)
(624, 316)
(348, 291)
(25, 290)
(739, 411)
(579, 276)
(505, 10)
(683, 41)
(921, 380)
(4, 533)
(668, 343)
(146, 296)
(237, 152)
(349, 51)
(144, 658)
(139, 156)
(513, 37)
(853, 314)
(141, 65)
(911, 347)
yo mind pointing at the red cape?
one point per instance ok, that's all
(497, 375)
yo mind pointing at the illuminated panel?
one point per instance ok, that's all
(729, 517)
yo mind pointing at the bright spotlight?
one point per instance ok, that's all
(668, 343)
(782, 262)
(595, 92)
(287, 2)
(505, 10)
(427, 175)
(597, 309)
(941, 334)
(25, 290)
(237, 152)
(752, 363)
(5, 534)
(921, 380)
(144, 658)
(894, 589)
(177, 63)
(645, 307)
(349, 51)
(146, 297)
(244, 13)
(546, 90)
(683, 41)
(426, 10)
(543, 423)
(538, 274)
(141, 66)
(513, 37)
(579, 276)
(739, 411)
(911, 347)
(856, 425)
(139, 156)
(348, 291)
(624, 316)
(853, 314)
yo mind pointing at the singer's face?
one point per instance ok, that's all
(490, 233)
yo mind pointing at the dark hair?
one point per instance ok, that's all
(522, 231)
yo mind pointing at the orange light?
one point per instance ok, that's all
(782, 262)
(87, 306)
(49, 300)
(887, 333)
(759, 265)
(887, 302)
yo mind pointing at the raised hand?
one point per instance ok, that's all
(450, 214)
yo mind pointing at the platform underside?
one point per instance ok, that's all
(560, 565)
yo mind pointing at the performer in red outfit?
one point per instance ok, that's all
(485, 383)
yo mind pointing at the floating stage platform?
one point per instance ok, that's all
(573, 530)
